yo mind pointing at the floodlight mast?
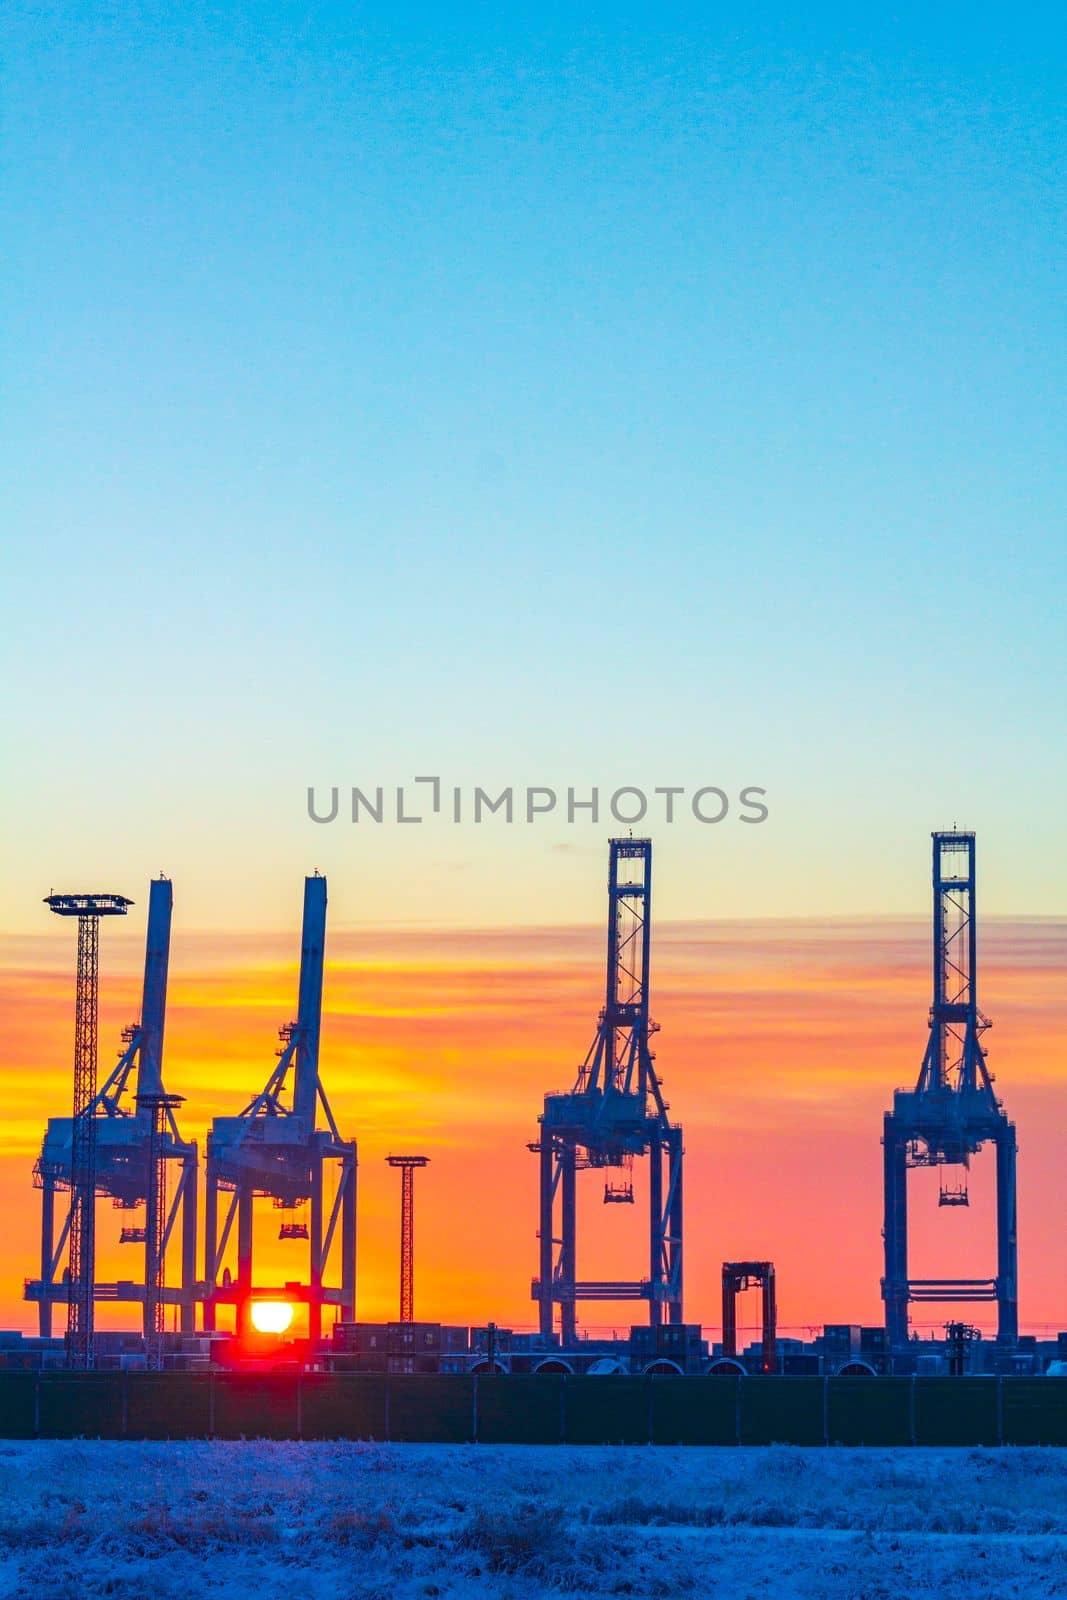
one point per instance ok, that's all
(88, 908)
(407, 1166)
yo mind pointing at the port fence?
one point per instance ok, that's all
(537, 1409)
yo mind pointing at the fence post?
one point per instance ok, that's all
(911, 1409)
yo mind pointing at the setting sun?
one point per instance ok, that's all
(271, 1316)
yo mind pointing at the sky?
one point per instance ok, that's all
(637, 397)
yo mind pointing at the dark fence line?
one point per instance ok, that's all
(539, 1409)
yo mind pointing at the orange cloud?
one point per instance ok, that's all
(781, 1044)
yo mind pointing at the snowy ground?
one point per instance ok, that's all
(396, 1522)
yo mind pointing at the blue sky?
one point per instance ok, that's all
(652, 396)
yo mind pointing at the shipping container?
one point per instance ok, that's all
(413, 1338)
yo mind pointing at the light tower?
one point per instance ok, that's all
(126, 1147)
(952, 1111)
(88, 908)
(615, 1111)
(407, 1165)
(274, 1149)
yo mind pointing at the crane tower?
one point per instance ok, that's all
(614, 1113)
(952, 1111)
(274, 1149)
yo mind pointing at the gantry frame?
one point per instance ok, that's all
(736, 1277)
(614, 1113)
(952, 1111)
(274, 1149)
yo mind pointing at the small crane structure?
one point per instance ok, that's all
(736, 1277)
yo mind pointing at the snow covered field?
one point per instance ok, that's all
(154, 1521)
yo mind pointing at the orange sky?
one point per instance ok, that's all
(780, 1045)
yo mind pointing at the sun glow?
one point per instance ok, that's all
(271, 1316)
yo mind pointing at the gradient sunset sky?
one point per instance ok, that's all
(665, 397)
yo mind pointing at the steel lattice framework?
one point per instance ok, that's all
(952, 1111)
(83, 1152)
(614, 1113)
(88, 908)
(407, 1165)
(124, 1143)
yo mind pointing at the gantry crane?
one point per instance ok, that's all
(738, 1276)
(275, 1150)
(952, 1111)
(615, 1111)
